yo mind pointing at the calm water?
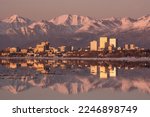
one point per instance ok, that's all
(74, 79)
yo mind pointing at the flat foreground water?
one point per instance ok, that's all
(74, 79)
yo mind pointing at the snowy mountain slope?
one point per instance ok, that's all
(13, 24)
(73, 27)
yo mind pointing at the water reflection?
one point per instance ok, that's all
(74, 76)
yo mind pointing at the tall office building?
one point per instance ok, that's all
(93, 45)
(113, 42)
(103, 43)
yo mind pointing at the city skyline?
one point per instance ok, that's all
(75, 50)
(48, 9)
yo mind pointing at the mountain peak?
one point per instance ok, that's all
(69, 19)
(16, 18)
(128, 19)
(146, 17)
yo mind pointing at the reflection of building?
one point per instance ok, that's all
(103, 43)
(24, 64)
(30, 62)
(113, 72)
(13, 65)
(40, 67)
(93, 69)
(5, 61)
(103, 72)
(93, 45)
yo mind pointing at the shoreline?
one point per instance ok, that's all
(77, 58)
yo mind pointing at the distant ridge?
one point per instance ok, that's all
(73, 29)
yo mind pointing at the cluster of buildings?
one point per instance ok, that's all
(45, 49)
(110, 44)
(103, 44)
(42, 49)
(131, 47)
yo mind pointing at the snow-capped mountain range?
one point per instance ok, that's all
(73, 29)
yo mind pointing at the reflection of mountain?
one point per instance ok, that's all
(74, 77)
(140, 84)
(79, 85)
(14, 86)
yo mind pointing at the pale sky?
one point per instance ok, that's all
(47, 9)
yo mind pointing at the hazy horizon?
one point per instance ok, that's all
(48, 9)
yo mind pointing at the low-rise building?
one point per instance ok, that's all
(110, 48)
(42, 47)
(13, 50)
(113, 42)
(126, 47)
(93, 45)
(62, 48)
(24, 51)
(132, 47)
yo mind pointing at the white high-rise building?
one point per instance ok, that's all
(93, 45)
(103, 43)
(113, 42)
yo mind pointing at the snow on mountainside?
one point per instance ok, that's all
(73, 27)
(71, 24)
(13, 24)
(87, 24)
(17, 19)
(72, 20)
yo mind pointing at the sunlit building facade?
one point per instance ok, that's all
(13, 50)
(103, 43)
(132, 46)
(62, 48)
(113, 42)
(41, 47)
(93, 45)
(24, 51)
